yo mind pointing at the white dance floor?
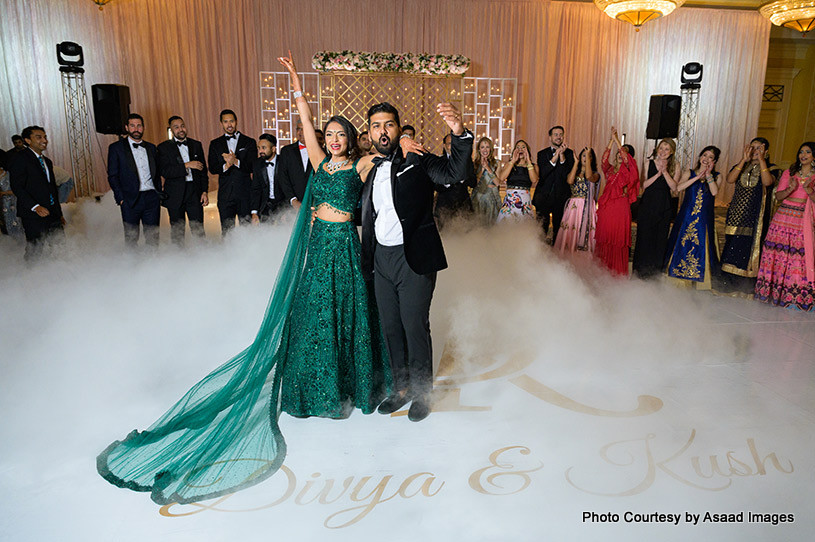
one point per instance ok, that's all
(569, 405)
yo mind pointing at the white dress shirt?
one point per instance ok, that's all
(304, 156)
(142, 165)
(185, 155)
(387, 227)
(270, 165)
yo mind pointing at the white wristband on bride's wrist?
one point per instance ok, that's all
(297, 94)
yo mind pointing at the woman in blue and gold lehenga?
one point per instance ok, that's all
(319, 350)
(693, 253)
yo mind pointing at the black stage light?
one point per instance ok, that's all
(75, 59)
(691, 75)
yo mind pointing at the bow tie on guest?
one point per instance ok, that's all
(270, 164)
(137, 145)
(228, 137)
(179, 143)
(300, 146)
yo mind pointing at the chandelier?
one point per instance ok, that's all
(101, 3)
(796, 14)
(638, 12)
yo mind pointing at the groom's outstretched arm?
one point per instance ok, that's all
(456, 169)
(459, 167)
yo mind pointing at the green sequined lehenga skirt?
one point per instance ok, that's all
(332, 361)
(318, 351)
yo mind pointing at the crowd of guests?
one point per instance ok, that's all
(769, 227)
(588, 206)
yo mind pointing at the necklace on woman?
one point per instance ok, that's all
(333, 167)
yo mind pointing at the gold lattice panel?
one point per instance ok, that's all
(415, 96)
(488, 104)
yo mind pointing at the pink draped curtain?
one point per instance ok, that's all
(575, 66)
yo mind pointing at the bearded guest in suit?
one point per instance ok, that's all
(133, 177)
(267, 198)
(33, 183)
(294, 169)
(402, 249)
(453, 200)
(231, 157)
(554, 164)
(181, 163)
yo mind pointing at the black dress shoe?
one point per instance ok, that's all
(419, 410)
(393, 403)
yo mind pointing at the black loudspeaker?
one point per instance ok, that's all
(663, 116)
(111, 106)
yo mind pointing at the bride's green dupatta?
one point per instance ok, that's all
(222, 436)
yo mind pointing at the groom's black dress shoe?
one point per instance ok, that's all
(393, 403)
(419, 409)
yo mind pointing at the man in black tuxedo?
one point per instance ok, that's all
(267, 198)
(181, 163)
(294, 169)
(33, 183)
(133, 176)
(402, 249)
(554, 163)
(231, 157)
(453, 200)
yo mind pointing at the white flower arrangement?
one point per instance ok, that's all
(360, 61)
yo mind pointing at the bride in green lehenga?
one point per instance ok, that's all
(319, 350)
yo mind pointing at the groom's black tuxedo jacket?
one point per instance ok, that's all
(171, 167)
(234, 183)
(413, 181)
(31, 186)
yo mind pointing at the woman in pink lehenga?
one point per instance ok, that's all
(580, 214)
(786, 276)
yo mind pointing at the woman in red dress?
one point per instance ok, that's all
(613, 234)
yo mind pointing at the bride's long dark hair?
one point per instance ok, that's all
(354, 152)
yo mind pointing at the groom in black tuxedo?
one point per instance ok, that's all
(231, 157)
(554, 163)
(133, 176)
(181, 163)
(402, 249)
(32, 180)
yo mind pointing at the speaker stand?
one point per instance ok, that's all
(77, 120)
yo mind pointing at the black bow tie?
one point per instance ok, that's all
(270, 164)
(230, 137)
(137, 145)
(179, 143)
(380, 159)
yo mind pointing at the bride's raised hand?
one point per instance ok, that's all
(288, 63)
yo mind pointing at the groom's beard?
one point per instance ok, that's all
(385, 145)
